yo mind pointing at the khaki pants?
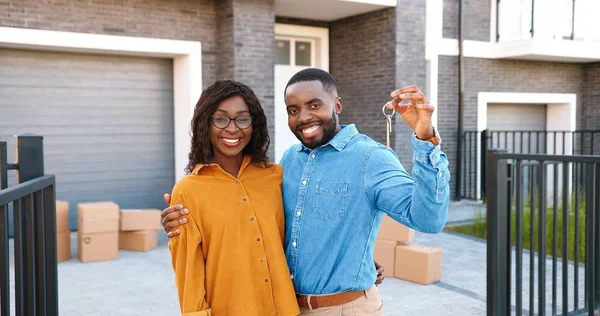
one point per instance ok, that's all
(367, 305)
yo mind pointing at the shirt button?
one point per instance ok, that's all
(303, 182)
(266, 280)
(313, 156)
(262, 259)
(252, 219)
(237, 182)
(257, 238)
(292, 276)
(298, 213)
(294, 244)
(245, 199)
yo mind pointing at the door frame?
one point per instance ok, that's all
(319, 36)
(561, 115)
(187, 68)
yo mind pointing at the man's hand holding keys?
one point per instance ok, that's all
(415, 110)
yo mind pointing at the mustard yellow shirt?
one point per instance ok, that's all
(229, 258)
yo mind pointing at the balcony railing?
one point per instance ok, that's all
(547, 19)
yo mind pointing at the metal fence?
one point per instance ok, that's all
(32, 202)
(548, 269)
(472, 178)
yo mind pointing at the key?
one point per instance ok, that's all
(388, 125)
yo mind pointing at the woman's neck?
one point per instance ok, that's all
(231, 165)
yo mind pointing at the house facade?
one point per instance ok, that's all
(111, 85)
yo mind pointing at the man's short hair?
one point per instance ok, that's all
(312, 74)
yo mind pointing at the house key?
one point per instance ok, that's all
(388, 124)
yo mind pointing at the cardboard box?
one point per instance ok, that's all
(98, 217)
(392, 230)
(63, 246)
(144, 219)
(419, 264)
(385, 255)
(62, 216)
(139, 240)
(97, 246)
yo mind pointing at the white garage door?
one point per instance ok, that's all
(107, 123)
(506, 121)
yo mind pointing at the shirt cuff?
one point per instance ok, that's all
(425, 152)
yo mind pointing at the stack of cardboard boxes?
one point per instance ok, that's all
(139, 229)
(63, 235)
(103, 228)
(404, 260)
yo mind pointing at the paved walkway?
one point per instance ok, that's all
(142, 283)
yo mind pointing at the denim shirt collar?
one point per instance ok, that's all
(340, 139)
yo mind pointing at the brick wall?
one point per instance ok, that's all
(411, 68)
(591, 97)
(182, 19)
(483, 75)
(591, 108)
(237, 39)
(225, 40)
(362, 62)
(477, 19)
(254, 53)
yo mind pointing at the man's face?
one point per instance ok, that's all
(312, 112)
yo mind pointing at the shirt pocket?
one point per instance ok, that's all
(331, 199)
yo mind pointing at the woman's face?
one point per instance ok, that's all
(230, 137)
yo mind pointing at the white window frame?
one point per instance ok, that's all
(293, 40)
(309, 32)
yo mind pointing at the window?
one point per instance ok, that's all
(557, 19)
(282, 52)
(294, 52)
(303, 53)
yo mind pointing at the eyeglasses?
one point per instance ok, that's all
(221, 122)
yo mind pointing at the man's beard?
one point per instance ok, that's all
(329, 131)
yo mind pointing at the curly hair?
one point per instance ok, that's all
(201, 150)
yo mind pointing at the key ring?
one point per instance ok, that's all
(389, 115)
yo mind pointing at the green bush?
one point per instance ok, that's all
(479, 229)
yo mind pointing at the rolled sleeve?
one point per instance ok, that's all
(419, 202)
(431, 164)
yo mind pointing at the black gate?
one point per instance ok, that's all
(543, 244)
(32, 202)
(472, 177)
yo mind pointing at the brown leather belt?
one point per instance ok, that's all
(314, 302)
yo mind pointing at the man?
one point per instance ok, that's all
(337, 186)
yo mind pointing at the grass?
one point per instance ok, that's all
(479, 229)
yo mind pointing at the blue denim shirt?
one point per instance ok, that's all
(335, 197)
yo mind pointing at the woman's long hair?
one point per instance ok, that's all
(201, 149)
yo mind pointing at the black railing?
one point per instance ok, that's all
(475, 145)
(33, 207)
(470, 169)
(563, 193)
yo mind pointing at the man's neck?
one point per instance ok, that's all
(337, 130)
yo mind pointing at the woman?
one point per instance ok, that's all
(229, 259)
